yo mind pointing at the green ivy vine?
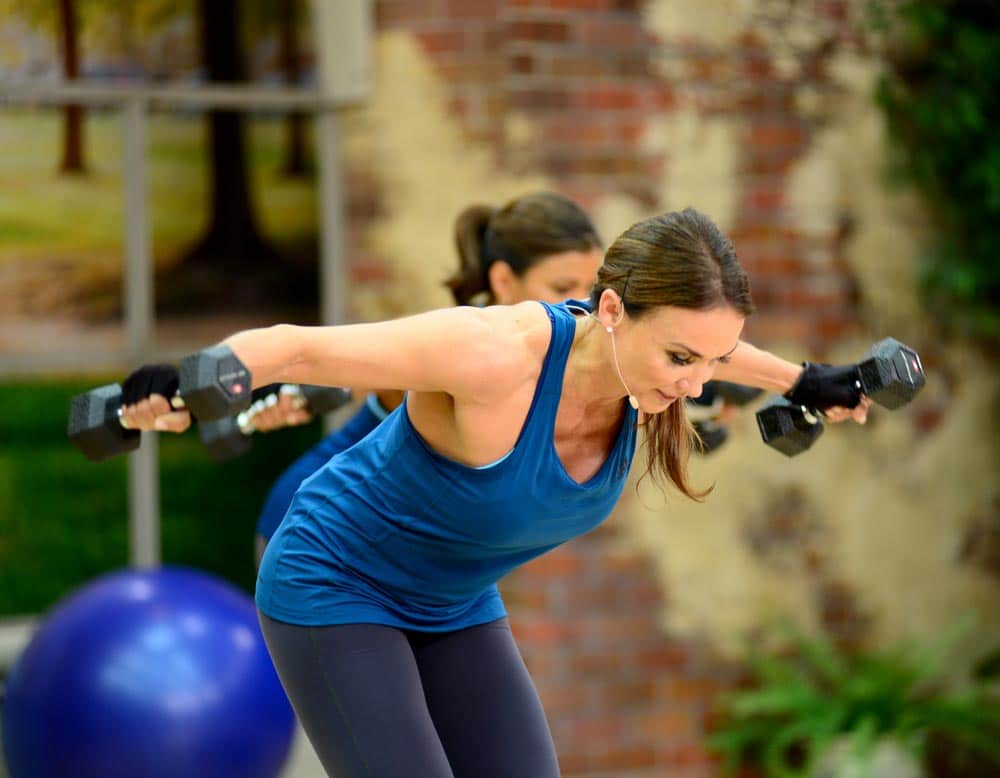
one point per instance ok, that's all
(940, 94)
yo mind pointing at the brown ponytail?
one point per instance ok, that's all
(470, 280)
(525, 231)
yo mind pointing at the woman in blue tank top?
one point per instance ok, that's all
(377, 594)
(542, 246)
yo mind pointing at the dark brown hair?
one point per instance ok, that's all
(679, 259)
(526, 230)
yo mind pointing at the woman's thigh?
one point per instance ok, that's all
(484, 704)
(357, 692)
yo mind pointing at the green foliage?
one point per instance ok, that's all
(941, 99)
(801, 703)
(64, 519)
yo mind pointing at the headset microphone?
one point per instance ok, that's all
(631, 397)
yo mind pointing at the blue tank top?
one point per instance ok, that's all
(392, 532)
(367, 418)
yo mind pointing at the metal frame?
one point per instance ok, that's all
(340, 27)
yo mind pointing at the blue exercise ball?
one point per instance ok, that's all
(147, 674)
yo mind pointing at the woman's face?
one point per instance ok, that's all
(670, 353)
(552, 279)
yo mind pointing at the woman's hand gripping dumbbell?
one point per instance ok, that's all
(274, 406)
(711, 412)
(891, 375)
(211, 384)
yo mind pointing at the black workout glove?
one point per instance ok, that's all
(824, 386)
(150, 379)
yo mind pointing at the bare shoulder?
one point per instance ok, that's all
(511, 349)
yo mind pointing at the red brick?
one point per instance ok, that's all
(572, 65)
(533, 597)
(471, 72)
(366, 270)
(628, 757)
(777, 264)
(629, 132)
(539, 99)
(522, 63)
(601, 729)
(576, 133)
(833, 9)
(612, 32)
(764, 196)
(564, 699)
(574, 763)
(610, 98)
(556, 564)
(622, 694)
(539, 31)
(671, 656)
(771, 326)
(687, 755)
(443, 41)
(579, 5)
(661, 98)
(472, 9)
(666, 725)
(393, 13)
(758, 67)
(605, 664)
(544, 631)
(777, 134)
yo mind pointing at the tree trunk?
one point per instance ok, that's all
(231, 265)
(232, 220)
(295, 148)
(72, 148)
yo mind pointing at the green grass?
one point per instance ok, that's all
(79, 218)
(64, 519)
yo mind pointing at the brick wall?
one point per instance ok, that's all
(624, 698)
(583, 73)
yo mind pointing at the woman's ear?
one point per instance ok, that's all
(503, 282)
(610, 309)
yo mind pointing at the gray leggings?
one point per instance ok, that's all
(381, 702)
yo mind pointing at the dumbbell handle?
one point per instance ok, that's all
(176, 403)
(244, 419)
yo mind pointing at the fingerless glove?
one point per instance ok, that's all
(822, 386)
(148, 380)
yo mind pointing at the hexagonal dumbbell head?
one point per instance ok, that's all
(214, 383)
(892, 374)
(94, 425)
(224, 438)
(710, 436)
(790, 429)
(324, 399)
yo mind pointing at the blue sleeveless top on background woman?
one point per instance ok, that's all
(392, 532)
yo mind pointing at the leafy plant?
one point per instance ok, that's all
(802, 703)
(941, 98)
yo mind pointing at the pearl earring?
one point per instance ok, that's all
(609, 329)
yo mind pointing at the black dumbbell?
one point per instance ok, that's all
(787, 427)
(213, 383)
(704, 410)
(891, 375)
(231, 437)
